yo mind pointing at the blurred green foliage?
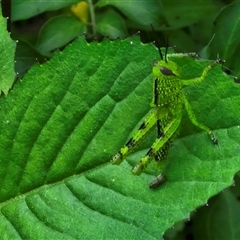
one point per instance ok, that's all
(210, 27)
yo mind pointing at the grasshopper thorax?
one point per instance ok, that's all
(167, 87)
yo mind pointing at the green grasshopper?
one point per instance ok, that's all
(166, 115)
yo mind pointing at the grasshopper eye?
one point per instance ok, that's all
(166, 71)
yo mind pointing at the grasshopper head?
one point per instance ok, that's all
(165, 69)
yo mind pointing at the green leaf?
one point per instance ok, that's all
(142, 12)
(181, 15)
(63, 122)
(110, 23)
(224, 211)
(23, 9)
(226, 40)
(57, 32)
(7, 49)
(26, 56)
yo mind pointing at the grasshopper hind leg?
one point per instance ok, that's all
(144, 129)
(160, 157)
(157, 148)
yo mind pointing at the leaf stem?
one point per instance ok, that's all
(92, 15)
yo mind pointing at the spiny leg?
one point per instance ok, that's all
(141, 133)
(160, 157)
(183, 55)
(204, 73)
(188, 106)
(163, 152)
(159, 129)
(168, 132)
(194, 120)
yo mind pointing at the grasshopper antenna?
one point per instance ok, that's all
(166, 49)
(157, 43)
